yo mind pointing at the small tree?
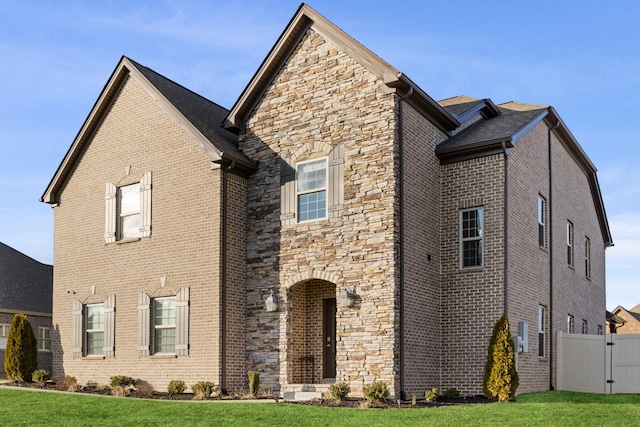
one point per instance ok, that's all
(500, 375)
(21, 353)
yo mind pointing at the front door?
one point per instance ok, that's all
(329, 338)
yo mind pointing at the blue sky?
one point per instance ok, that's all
(581, 57)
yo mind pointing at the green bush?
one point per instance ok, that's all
(122, 381)
(21, 352)
(451, 393)
(254, 382)
(500, 375)
(176, 386)
(40, 376)
(203, 389)
(339, 391)
(431, 395)
(376, 391)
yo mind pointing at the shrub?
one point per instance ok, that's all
(431, 395)
(176, 386)
(413, 399)
(376, 391)
(119, 391)
(21, 352)
(254, 382)
(143, 389)
(451, 393)
(40, 376)
(66, 383)
(339, 391)
(203, 389)
(500, 376)
(121, 380)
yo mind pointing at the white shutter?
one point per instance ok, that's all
(336, 182)
(144, 311)
(77, 328)
(145, 205)
(110, 213)
(182, 322)
(109, 326)
(287, 193)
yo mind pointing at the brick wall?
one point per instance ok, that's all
(183, 247)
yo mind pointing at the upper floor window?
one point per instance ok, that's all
(128, 209)
(585, 327)
(4, 334)
(569, 243)
(311, 189)
(587, 258)
(44, 338)
(129, 212)
(599, 329)
(94, 321)
(542, 220)
(164, 325)
(571, 327)
(471, 237)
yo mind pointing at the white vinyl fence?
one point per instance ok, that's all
(607, 364)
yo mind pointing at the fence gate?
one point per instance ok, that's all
(607, 364)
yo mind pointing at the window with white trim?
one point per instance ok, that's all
(585, 327)
(128, 216)
(128, 210)
(94, 329)
(587, 258)
(4, 335)
(542, 220)
(311, 189)
(164, 325)
(44, 338)
(599, 329)
(471, 237)
(571, 327)
(569, 243)
(542, 318)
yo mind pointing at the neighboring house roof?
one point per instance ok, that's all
(306, 18)
(200, 117)
(500, 132)
(26, 285)
(632, 313)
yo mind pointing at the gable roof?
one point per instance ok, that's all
(26, 285)
(304, 19)
(200, 117)
(500, 132)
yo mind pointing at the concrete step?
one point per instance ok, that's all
(302, 395)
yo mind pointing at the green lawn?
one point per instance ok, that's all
(25, 407)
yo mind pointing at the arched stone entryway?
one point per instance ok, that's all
(312, 332)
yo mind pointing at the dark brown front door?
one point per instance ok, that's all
(329, 338)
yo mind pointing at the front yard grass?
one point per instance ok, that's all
(27, 407)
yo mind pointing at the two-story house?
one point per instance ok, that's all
(336, 224)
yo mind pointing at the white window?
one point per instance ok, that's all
(542, 219)
(311, 189)
(4, 334)
(599, 329)
(94, 321)
(129, 212)
(164, 325)
(471, 235)
(585, 328)
(571, 327)
(542, 315)
(569, 243)
(587, 258)
(44, 338)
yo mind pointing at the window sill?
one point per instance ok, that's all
(122, 242)
(43, 351)
(470, 269)
(93, 357)
(164, 356)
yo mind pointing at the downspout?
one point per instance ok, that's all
(401, 233)
(551, 256)
(223, 282)
(506, 228)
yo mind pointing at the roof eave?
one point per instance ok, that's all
(448, 155)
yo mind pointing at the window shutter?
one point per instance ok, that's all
(336, 182)
(145, 205)
(77, 328)
(182, 322)
(110, 213)
(144, 311)
(109, 326)
(287, 193)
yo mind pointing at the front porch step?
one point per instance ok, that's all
(302, 395)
